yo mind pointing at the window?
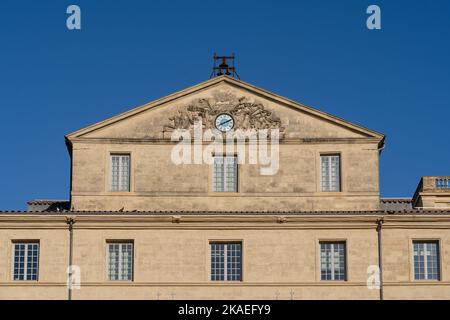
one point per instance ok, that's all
(332, 261)
(120, 172)
(26, 261)
(330, 173)
(226, 261)
(225, 174)
(120, 261)
(426, 260)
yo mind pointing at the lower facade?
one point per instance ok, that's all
(219, 256)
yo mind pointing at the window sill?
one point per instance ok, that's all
(426, 280)
(330, 192)
(223, 194)
(119, 192)
(321, 280)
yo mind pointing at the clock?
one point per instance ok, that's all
(224, 122)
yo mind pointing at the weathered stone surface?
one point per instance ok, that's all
(159, 184)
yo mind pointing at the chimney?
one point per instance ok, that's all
(48, 205)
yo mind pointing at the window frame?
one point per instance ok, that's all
(333, 242)
(213, 175)
(26, 242)
(225, 273)
(439, 259)
(120, 243)
(330, 154)
(110, 185)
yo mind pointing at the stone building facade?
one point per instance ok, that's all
(303, 220)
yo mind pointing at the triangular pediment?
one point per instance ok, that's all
(253, 108)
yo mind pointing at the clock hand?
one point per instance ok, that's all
(222, 123)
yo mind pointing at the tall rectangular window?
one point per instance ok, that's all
(225, 177)
(330, 168)
(332, 261)
(426, 260)
(26, 261)
(226, 261)
(120, 172)
(120, 261)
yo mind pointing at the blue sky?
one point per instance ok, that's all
(53, 81)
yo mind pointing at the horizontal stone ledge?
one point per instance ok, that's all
(196, 284)
(225, 284)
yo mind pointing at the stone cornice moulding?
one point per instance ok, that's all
(226, 284)
(210, 195)
(285, 141)
(104, 221)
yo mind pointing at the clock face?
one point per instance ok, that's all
(224, 122)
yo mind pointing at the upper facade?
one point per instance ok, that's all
(312, 161)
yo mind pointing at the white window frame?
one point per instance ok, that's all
(425, 260)
(25, 261)
(329, 171)
(332, 267)
(121, 156)
(225, 260)
(225, 158)
(120, 258)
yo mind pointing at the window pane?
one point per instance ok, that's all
(330, 173)
(113, 263)
(26, 261)
(225, 175)
(325, 261)
(332, 261)
(226, 261)
(426, 260)
(127, 261)
(120, 261)
(217, 261)
(234, 261)
(120, 173)
(218, 174)
(231, 174)
(19, 262)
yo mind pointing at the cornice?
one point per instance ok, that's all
(286, 141)
(225, 284)
(217, 222)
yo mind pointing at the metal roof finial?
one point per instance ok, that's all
(224, 68)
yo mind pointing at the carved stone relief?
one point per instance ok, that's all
(247, 114)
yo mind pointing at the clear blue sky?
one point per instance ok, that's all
(54, 81)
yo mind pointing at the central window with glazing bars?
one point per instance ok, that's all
(426, 260)
(226, 261)
(225, 177)
(332, 261)
(330, 173)
(120, 172)
(26, 261)
(120, 261)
